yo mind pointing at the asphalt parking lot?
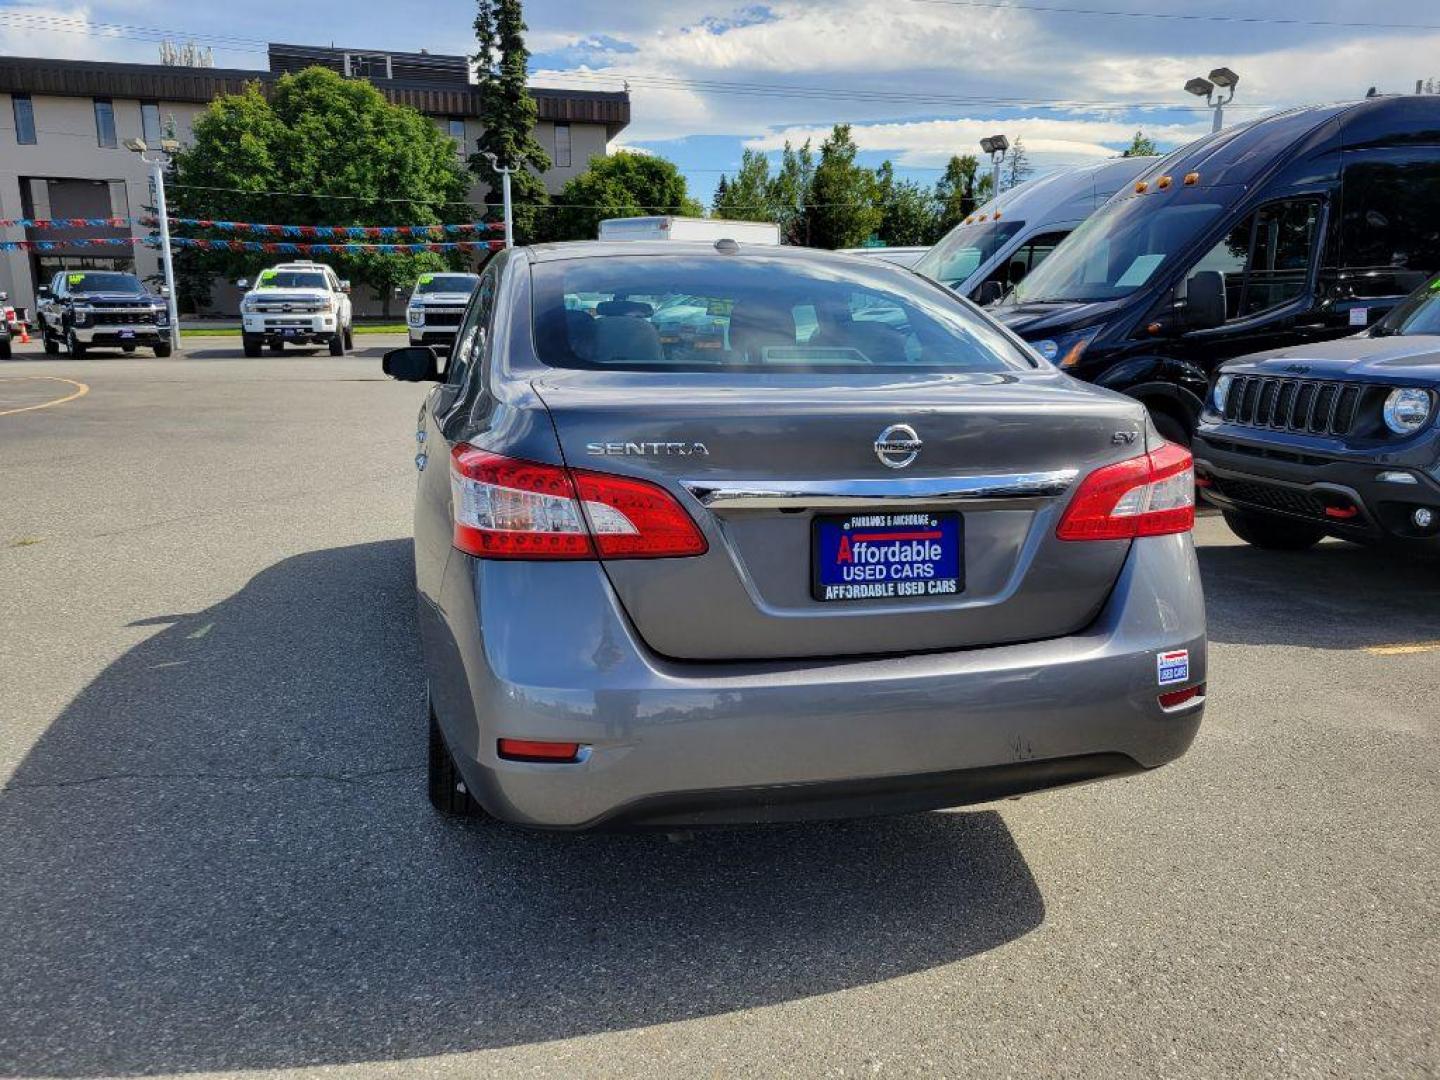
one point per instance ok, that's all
(216, 855)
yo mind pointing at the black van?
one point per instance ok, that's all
(1305, 225)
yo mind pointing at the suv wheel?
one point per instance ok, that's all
(252, 344)
(1273, 533)
(73, 345)
(161, 349)
(5, 347)
(49, 342)
(337, 343)
(447, 790)
(349, 337)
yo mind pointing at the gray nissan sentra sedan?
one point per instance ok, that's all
(724, 534)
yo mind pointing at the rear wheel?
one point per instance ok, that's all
(448, 793)
(252, 344)
(1171, 427)
(349, 337)
(162, 350)
(337, 344)
(1273, 533)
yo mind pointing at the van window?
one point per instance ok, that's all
(1390, 220)
(1026, 257)
(1265, 259)
(961, 251)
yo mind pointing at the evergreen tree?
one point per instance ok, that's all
(722, 191)
(955, 193)
(1141, 146)
(1018, 168)
(842, 210)
(508, 113)
(747, 197)
(908, 212)
(789, 192)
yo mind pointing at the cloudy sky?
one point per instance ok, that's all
(918, 79)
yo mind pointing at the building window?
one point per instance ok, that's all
(562, 146)
(455, 127)
(105, 122)
(150, 123)
(367, 65)
(24, 119)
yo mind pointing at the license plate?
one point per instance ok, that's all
(289, 332)
(127, 334)
(887, 556)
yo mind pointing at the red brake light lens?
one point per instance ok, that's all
(535, 750)
(1150, 495)
(510, 509)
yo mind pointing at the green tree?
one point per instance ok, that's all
(508, 113)
(1017, 167)
(908, 211)
(789, 191)
(624, 184)
(352, 157)
(748, 196)
(842, 210)
(955, 193)
(1141, 146)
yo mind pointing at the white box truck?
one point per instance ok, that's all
(696, 230)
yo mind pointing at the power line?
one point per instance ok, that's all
(1261, 20)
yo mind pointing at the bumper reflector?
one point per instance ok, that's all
(1342, 513)
(534, 750)
(1176, 698)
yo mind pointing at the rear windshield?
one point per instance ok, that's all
(103, 282)
(757, 314)
(446, 283)
(961, 251)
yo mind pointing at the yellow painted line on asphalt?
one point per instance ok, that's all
(1404, 650)
(80, 391)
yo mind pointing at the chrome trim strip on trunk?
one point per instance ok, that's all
(781, 494)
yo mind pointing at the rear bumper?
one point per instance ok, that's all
(543, 652)
(1346, 497)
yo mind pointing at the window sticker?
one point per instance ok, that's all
(1173, 667)
(425, 279)
(74, 279)
(267, 278)
(1140, 270)
(1359, 316)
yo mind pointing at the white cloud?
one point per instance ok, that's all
(72, 33)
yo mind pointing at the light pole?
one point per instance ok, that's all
(505, 195)
(157, 174)
(995, 146)
(1224, 79)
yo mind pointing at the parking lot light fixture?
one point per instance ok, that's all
(157, 165)
(1221, 78)
(995, 146)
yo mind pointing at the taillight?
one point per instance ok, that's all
(1150, 495)
(510, 509)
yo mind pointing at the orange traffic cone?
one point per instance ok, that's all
(24, 334)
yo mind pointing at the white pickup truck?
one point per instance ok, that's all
(436, 307)
(298, 303)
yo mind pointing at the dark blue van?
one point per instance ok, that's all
(1306, 225)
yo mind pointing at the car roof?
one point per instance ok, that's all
(599, 249)
(1038, 198)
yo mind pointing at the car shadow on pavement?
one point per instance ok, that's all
(1334, 596)
(220, 857)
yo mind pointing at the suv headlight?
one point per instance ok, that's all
(1406, 410)
(1066, 350)
(81, 315)
(415, 316)
(1220, 393)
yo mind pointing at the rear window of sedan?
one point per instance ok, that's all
(759, 315)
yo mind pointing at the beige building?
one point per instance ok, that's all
(64, 125)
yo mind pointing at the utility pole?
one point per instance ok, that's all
(505, 196)
(157, 175)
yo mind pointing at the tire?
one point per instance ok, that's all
(73, 346)
(1273, 533)
(51, 346)
(446, 787)
(162, 351)
(277, 348)
(349, 337)
(252, 345)
(1170, 427)
(5, 348)
(337, 344)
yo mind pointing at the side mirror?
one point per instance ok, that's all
(1205, 300)
(412, 364)
(44, 292)
(243, 283)
(989, 292)
(345, 287)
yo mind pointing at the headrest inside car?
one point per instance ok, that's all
(634, 308)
